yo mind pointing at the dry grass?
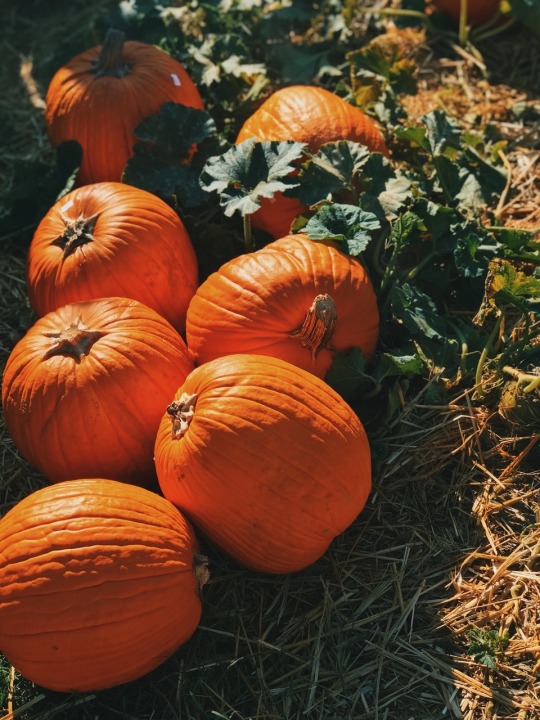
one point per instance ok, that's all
(449, 542)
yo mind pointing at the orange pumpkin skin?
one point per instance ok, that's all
(98, 584)
(310, 115)
(294, 299)
(98, 101)
(266, 459)
(83, 391)
(478, 11)
(110, 239)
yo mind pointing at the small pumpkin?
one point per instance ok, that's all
(310, 115)
(265, 458)
(294, 299)
(83, 390)
(478, 11)
(100, 96)
(111, 239)
(99, 584)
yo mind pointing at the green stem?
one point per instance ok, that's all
(248, 239)
(422, 264)
(533, 381)
(484, 354)
(463, 28)
(489, 31)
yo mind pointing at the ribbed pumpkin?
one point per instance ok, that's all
(478, 11)
(266, 459)
(295, 299)
(310, 115)
(83, 391)
(111, 239)
(100, 96)
(99, 584)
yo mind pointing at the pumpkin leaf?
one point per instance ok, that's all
(175, 144)
(332, 169)
(528, 11)
(176, 128)
(249, 171)
(346, 224)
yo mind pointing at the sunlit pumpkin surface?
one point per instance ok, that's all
(266, 459)
(97, 584)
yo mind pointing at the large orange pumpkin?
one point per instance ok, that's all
(295, 299)
(478, 11)
(111, 239)
(310, 115)
(266, 459)
(83, 391)
(101, 95)
(99, 583)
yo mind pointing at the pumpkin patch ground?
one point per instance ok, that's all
(427, 605)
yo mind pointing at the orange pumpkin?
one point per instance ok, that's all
(101, 95)
(478, 11)
(266, 459)
(83, 391)
(310, 115)
(111, 239)
(295, 299)
(99, 583)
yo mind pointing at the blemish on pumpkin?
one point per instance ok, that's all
(319, 324)
(181, 412)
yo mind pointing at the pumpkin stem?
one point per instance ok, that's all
(110, 62)
(77, 232)
(319, 324)
(201, 571)
(75, 340)
(181, 411)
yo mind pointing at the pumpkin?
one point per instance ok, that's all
(310, 115)
(100, 96)
(295, 299)
(99, 583)
(83, 390)
(266, 459)
(478, 11)
(111, 239)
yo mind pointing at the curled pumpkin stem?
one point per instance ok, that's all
(181, 412)
(111, 61)
(319, 324)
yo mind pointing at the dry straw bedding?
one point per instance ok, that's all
(450, 539)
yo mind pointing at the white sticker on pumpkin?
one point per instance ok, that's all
(176, 79)
(66, 206)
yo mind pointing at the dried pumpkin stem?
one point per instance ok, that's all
(77, 232)
(111, 62)
(75, 340)
(201, 571)
(319, 324)
(181, 412)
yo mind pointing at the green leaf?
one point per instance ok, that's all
(528, 11)
(250, 171)
(346, 224)
(348, 374)
(163, 162)
(442, 132)
(175, 129)
(333, 168)
(418, 312)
